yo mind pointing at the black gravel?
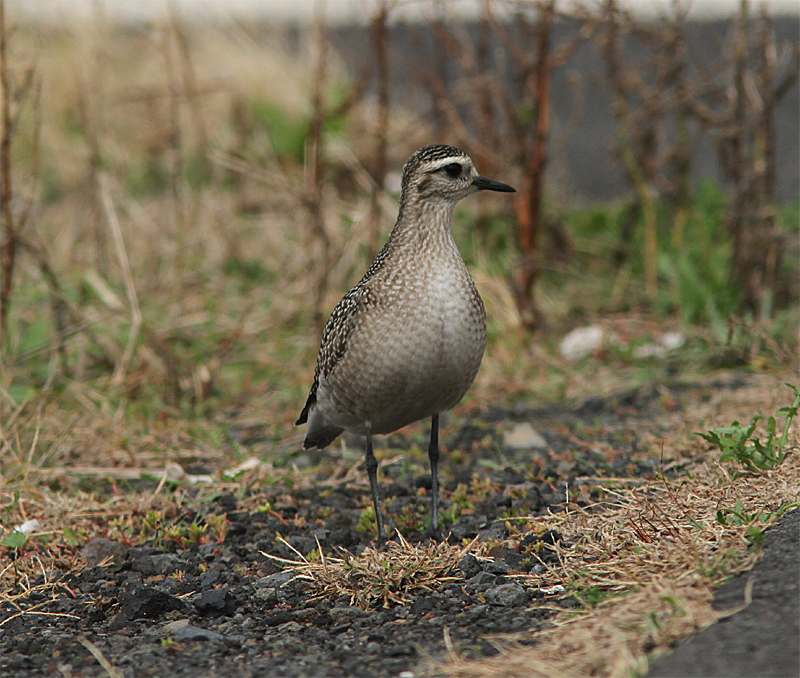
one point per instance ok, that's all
(227, 609)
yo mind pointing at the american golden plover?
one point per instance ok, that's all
(406, 342)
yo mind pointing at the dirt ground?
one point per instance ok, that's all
(228, 609)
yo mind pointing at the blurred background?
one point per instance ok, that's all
(188, 188)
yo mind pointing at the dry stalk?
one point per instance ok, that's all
(101, 658)
(380, 40)
(316, 163)
(176, 141)
(133, 301)
(529, 203)
(8, 246)
(620, 106)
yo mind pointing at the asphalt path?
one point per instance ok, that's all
(763, 639)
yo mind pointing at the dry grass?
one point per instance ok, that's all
(651, 558)
(381, 576)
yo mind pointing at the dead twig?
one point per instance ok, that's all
(133, 302)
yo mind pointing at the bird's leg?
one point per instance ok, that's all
(433, 455)
(372, 472)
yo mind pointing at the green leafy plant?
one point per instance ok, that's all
(367, 523)
(196, 533)
(219, 527)
(591, 596)
(754, 521)
(14, 540)
(409, 521)
(152, 523)
(742, 444)
(178, 575)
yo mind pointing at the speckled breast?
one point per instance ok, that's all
(418, 351)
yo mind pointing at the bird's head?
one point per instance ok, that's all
(443, 173)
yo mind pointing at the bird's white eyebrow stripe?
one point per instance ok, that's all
(444, 165)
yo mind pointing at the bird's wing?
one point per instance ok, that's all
(340, 325)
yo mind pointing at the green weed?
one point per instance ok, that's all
(15, 539)
(741, 444)
(219, 527)
(592, 596)
(755, 522)
(367, 523)
(409, 521)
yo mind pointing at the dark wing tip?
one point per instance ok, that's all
(312, 398)
(323, 438)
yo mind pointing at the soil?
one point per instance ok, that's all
(228, 610)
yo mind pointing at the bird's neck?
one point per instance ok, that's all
(424, 223)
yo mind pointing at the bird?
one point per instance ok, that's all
(406, 342)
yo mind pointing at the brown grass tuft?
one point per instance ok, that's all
(381, 577)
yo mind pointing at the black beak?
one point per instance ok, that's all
(485, 184)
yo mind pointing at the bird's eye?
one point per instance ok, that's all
(453, 170)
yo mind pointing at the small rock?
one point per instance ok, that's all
(341, 615)
(581, 341)
(498, 567)
(207, 550)
(523, 436)
(98, 550)
(482, 579)
(303, 544)
(507, 595)
(170, 627)
(277, 617)
(663, 344)
(215, 602)
(145, 601)
(300, 586)
(227, 502)
(649, 350)
(28, 526)
(324, 619)
(514, 560)
(267, 596)
(274, 580)
(671, 340)
(470, 566)
(164, 563)
(290, 627)
(307, 616)
(402, 650)
(189, 632)
(550, 537)
(547, 537)
(496, 531)
(210, 579)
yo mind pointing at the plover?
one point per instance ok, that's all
(406, 342)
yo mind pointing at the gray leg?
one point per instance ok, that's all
(433, 455)
(372, 472)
